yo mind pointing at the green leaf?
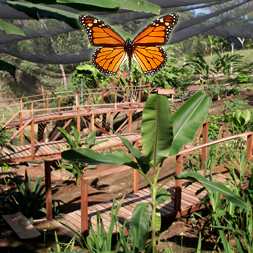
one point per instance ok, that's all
(92, 157)
(33, 8)
(108, 4)
(162, 196)
(142, 161)
(67, 137)
(188, 118)
(156, 128)
(140, 225)
(133, 5)
(140, 5)
(91, 139)
(9, 28)
(213, 186)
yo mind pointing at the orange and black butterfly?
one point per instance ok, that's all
(144, 48)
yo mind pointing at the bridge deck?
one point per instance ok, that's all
(191, 201)
(52, 150)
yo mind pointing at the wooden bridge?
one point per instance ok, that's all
(185, 198)
(102, 118)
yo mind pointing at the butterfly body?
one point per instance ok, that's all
(144, 48)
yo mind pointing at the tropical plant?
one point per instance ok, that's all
(74, 141)
(226, 63)
(28, 197)
(163, 134)
(64, 247)
(199, 66)
(231, 205)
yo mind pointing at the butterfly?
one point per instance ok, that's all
(144, 48)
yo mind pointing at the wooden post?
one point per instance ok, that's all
(32, 132)
(136, 181)
(130, 121)
(84, 206)
(178, 185)
(49, 210)
(78, 118)
(21, 134)
(92, 122)
(204, 150)
(250, 146)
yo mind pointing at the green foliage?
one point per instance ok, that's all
(238, 116)
(87, 76)
(242, 78)
(213, 186)
(28, 198)
(9, 28)
(225, 63)
(158, 142)
(74, 141)
(231, 214)
(4, 137)
(173, 75)
(64, 247)
(199, 66)
(156, 129)
(187, 119)
(100, 240)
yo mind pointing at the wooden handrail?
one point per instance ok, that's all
(20, 129)
(11, 119)
(189, 150)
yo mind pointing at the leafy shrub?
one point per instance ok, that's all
(242, 78)
(28, 198)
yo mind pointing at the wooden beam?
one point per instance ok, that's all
(250, 146)
(178, 185)
(204, 150)
(49, 210)
(84, 206)
(136, 181)
(67, 123)
(21, 131)
(32, 132)
(92, 122)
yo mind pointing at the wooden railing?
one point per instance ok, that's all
(179, 169)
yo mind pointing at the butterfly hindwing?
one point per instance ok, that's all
(99, 33)
(156, 33)
(108, 59)
(150, 59)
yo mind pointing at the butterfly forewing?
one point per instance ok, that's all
(99, 33)
(150, 59)
(156, 33)
(109, 59)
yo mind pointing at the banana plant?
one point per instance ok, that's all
(163, 134)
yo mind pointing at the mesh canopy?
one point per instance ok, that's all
(222, 18)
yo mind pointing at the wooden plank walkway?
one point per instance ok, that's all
(63, 113)
(191, 201)
(52, 150)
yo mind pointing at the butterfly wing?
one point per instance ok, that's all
(99, 33)
(146, 51)
(109, 59)
(157, 33)
(150, 59)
